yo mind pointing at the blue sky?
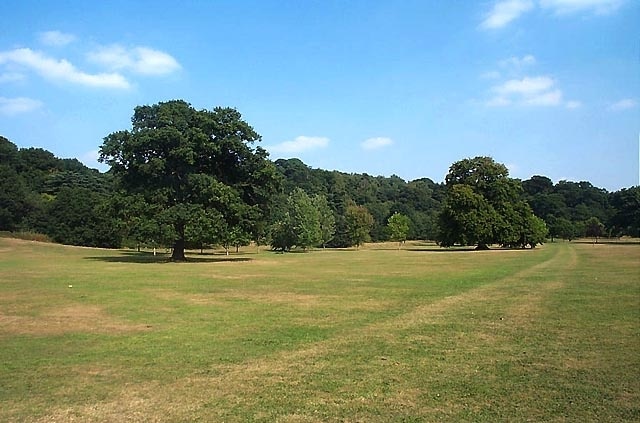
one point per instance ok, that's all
(547, 87)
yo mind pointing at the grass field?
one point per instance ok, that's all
(375, 335)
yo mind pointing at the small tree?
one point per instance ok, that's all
(299, 223)
(562, 228)
(398, 226)
(359, 223)
(594, 228)
(326, 219)
(304, 218)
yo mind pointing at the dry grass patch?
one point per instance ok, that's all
(68, 319)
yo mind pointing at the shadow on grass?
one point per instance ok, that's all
(149, 258)
(465, 249)
(607, 242)
(443, 250)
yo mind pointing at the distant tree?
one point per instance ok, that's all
(594, 228)
(467, 218)
(398, 225)
(8, 152)
(234, 237)
(298, 224)
(79, 216)
(561, 228)
(326, 219)
(625, 219)
(483, 206)
(305, 219)
(15, 198)
(359, 223)
(538, 185)
(185, 163)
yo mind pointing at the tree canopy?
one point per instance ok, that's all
(234, 194)
(398, 226)
(483, 206)
(190, 168)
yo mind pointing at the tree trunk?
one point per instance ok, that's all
(178, 251)
(482, 247)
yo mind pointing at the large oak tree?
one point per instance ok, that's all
(191, 169)
(484, 206)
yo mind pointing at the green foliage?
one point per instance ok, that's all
(78, 216)
(561, 228)
(326, 219)
(484, 206)
(467, 218)
(625, 218)
(382, 196)
(32, 178)
(594, 228)
(14, 199)
(187, 165)
(301, 221)
(359, 223)
(398, 225)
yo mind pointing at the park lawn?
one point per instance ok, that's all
(420, 334)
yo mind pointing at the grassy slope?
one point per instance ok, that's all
(370, 335)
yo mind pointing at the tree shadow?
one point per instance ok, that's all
(149, 258)
(466, 250)
(443, 250)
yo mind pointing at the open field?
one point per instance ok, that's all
(375, 335)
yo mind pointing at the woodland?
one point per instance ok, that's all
(186, 178)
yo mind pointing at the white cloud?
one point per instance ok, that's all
(528, 91)
(567, 7)
(504, 12)
(525, 86)
(518, 62)
(141, 60)
(624, 104)
(14, 106)
(56, 38)
(61, 70)
(376, 143)
(300, 144)
(546, 98)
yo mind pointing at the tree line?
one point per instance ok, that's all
(188, 178)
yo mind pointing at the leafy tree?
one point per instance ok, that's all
(15, 197)
(467, 218)
(326, 219)
(484, 206)
(206, 227)
(184, 163)
(594, 228)
(8, 152)
(79, 216)
(625, 219)
(561, 228)
(299, 224)
(398, 225)
(304, 218)
(359, 223)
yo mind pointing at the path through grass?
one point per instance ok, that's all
(371, 335)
